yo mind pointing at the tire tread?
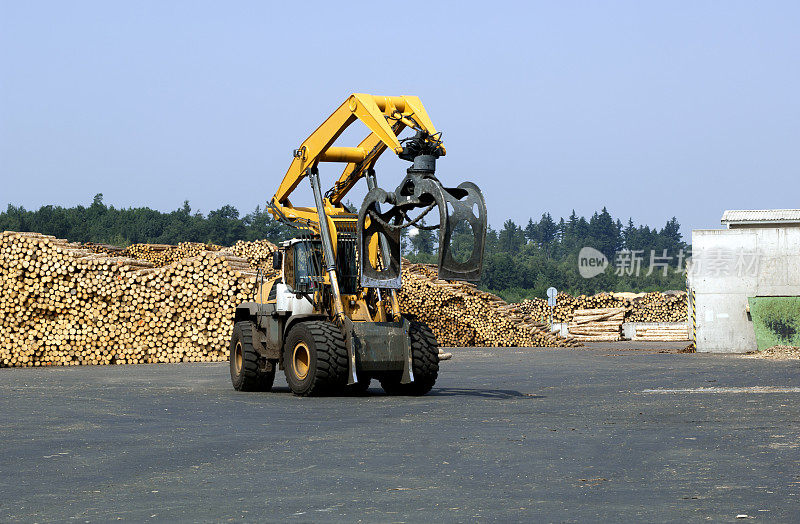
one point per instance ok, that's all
(251, 378)
(331, 359)
(425, 363)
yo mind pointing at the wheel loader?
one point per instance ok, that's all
(331, 319)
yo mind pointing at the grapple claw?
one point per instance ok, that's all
(379, 232)
(378, 240)
(468, 207)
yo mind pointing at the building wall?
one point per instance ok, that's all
(730, 265)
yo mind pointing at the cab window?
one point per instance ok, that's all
(307, 265)
(288, 267)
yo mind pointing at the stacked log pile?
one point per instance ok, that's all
(463, 316)
(154, 253)
(599, 324)
(642, 307)
(258, 253)
(566, 305)
(661, 333)
(103, 248)
(70, 304)
(658, 307)
(164, 254)
(62, 304)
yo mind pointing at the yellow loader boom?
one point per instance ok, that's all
(386, 117)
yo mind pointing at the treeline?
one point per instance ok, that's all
(519, 262)
(105, 224)
(522, 262)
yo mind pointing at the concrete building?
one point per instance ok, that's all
(757, 255)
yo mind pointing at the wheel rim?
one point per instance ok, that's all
(237, 357)
(301, 360)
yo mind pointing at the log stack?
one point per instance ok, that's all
(661, 333)
(658, 307)
(463, 316)
(258, 253)
(153, 253)
(103, 248)
(566, 305)
(599, 324)
(163, 254)
(641, 307)
(62, 304)
(72, 304)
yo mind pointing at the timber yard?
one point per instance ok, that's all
(576, 430)
(521, 262)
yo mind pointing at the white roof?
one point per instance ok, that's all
(748, 216)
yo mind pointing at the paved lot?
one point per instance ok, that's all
(507, 435)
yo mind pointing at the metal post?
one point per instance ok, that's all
(692, 313)
(330, 266)
(327, 244)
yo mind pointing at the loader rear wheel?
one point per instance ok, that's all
(425, 363)
(246, 374)
(315, 358)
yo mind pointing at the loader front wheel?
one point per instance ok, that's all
(425, 363)
(315, 358)
(246, 374)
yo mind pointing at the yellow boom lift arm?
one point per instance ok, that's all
(386, 117)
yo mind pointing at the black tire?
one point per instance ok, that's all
(315, 358)
(425, 363)
(244, 361)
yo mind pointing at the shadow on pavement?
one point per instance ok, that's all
(502, 394)
(483, 393)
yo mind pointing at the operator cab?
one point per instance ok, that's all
(303, 268)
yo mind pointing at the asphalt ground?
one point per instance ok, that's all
(568, 435)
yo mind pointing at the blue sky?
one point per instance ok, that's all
(651, 109)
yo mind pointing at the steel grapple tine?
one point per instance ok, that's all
(468, 208)
(378, 242)
(377, 229)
